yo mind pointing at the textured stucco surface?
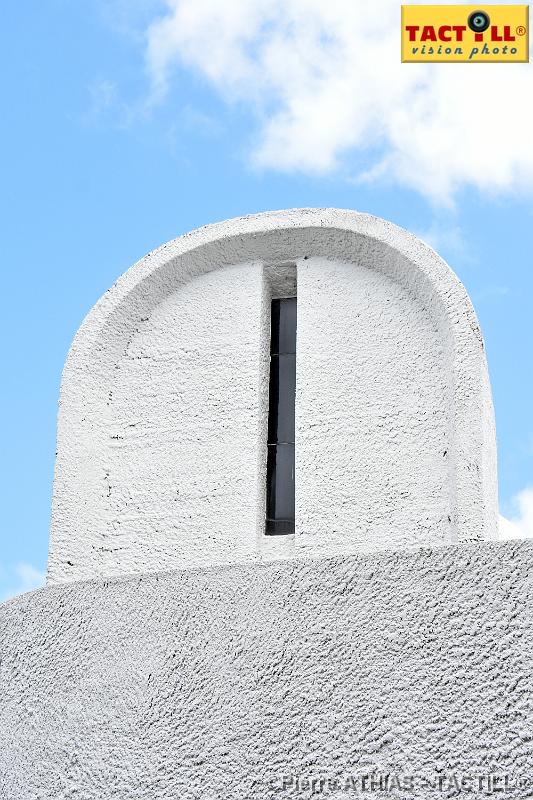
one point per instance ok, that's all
(373, 414)
(185, 428)
(162, 424)
(213, 683)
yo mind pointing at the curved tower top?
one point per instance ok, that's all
(164, 429)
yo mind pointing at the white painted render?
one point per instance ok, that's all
(307, 656)
(214, 684)
(162, 424)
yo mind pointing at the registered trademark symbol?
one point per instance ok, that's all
(521, 30)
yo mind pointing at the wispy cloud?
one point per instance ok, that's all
(491, 293)
(106, 106)
(520, 524)
(20, 578)
(324, 79)
(447, 238)
(103, 96)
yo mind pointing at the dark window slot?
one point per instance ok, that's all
(281, 414)
(282, 394)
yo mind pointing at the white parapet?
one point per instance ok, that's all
(162, 426)
(238, 682)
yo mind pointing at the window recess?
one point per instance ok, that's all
(281, 417)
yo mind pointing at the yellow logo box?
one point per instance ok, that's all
(473, 34)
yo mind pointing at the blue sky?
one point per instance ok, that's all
(126, 124)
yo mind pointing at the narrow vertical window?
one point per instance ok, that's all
(282, 399)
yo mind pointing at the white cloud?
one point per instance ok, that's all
(448, 239)
(325, 80)
(103, 100)
(520, 526)
(21, 578)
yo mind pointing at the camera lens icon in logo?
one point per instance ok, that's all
(478, 21)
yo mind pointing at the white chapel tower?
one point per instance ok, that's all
(271, 552)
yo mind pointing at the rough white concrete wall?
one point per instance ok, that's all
(216, 683)
(374, 451)
(147, 480)
(179, 449)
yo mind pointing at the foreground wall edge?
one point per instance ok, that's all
(224, 680)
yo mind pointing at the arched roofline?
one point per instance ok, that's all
(278, 237)
(432, 273)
